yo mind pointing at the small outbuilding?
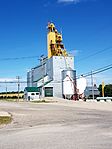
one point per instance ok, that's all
(89, 91)
(31, 93)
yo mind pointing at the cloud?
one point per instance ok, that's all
(10, 86)
(7, 79)
(99, 78)
(73, 1)
(47, 4)
(74, 52)
(69, 1)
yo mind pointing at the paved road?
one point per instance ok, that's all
(56, 126)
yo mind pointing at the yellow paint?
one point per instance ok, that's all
(54, 42)
(11, 94)
(103, 85)
(51, 37)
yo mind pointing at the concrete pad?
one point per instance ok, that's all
(3, 113)
(104, 106)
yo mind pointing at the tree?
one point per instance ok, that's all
(100, 89)
(107, 90)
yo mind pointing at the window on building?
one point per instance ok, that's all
(32, 94)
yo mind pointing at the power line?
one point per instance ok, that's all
(32, 57)
(18, 78)
(96, 53)
(105, 68)
(102, 69)
(99, 70)
(18, 58)
(13, 82)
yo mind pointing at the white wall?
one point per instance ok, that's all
(32, 97)
(61, 63)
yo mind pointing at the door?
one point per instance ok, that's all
(48, 91)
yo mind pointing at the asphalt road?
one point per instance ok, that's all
(55, 126)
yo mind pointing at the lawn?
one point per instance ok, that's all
(5, 120)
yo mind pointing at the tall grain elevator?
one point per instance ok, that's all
(49, 76)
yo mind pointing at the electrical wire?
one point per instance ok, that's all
(102, 69)
(31, 57)
(18, 58)
(99, 70)
(96, 53)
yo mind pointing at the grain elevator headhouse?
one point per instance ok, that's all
(49, 76)
(55, 45)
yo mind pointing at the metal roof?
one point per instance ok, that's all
(31, 89)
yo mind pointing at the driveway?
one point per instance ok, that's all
(57, 125)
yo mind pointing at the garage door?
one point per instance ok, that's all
(48, 91)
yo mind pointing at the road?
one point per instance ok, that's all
(57, 126)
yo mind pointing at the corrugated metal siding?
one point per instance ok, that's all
(39, 72)
(52, 69)
(61, 63)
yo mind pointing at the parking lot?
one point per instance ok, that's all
(57, 125)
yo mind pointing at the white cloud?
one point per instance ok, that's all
(74, 52)
(46, 4)
(7, 79)
(104, 77)
(69, 1)
(72, 1)
(99, 78)
(11, 86)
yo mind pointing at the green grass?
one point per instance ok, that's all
(11, 100)
(39, 101)
(43, 101)
(5, 120)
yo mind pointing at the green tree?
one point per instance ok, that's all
(100, 89)
(107, 90)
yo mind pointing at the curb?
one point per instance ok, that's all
(3, 113)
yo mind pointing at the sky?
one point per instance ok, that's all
(87, 34)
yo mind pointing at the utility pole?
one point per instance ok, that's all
(92, 84)
(103, 85)
(18, 83)
(42, 61)
(6, 89)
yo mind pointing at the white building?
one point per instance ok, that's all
(49, 75)
(31, 93)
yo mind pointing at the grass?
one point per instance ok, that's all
(40, 101)
(5, 120)
(43, 101)
(11, 100)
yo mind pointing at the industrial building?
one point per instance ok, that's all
(89, 91)
(55, 75)
(31, 93)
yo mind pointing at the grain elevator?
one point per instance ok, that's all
(55, 75)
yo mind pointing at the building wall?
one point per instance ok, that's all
(61, 63)
(52, 70)
(29, 96)
(56, 65)
(39, 72)
(49, 68)
(89, 91)
(57, 88)
(29, 78)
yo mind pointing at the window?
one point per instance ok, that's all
(37, 93)
(32, 94)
